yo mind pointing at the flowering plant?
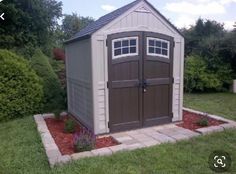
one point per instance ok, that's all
(84, 140)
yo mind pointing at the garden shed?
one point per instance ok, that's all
(125, 70)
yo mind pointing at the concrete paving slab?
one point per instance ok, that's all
(81, 155)
(118, 148)
(210, 129)
(102, 152)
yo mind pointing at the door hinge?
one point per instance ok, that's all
(107, 84)
(174, 44)
(173, 80)
(106, 42)
(109, 125)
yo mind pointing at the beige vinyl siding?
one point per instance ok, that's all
(79, 81)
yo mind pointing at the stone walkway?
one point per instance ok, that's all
(129, 140)
(147, 137)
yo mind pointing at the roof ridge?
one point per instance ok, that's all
(104, 20)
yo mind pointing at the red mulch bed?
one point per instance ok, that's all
(190, 121)
(64, 140)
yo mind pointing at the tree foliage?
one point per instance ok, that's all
(72, 24)
(53, 94)
(198, 77)
(20, 88)
(215, 47)
(29, 23)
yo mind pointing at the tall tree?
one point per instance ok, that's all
(29, 23)
(72, 24)
(201, 32)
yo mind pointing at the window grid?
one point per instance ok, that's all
(123, 47)
(158, 47)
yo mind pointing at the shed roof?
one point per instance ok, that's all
(104, 20)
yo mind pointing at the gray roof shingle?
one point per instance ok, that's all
(104, 20)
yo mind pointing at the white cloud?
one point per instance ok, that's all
(184, 21)
(200, 8)
(188, 11)
(108, 8)
(229, 25)
(225, 2)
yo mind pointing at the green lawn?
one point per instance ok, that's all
(21, 152)
(223, 104)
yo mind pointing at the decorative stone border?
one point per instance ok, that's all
(53, 153)
(130, 140)
(206, 130)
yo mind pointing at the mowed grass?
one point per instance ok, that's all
(222, 104)
(21, 152)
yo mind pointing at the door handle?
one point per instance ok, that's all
(144, 86)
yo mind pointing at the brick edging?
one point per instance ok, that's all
(228, 125)
(52, 151)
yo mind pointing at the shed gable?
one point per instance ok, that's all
(143, 16)
(138, 6)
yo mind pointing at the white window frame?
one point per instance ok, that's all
(155, 54)
(124, 55)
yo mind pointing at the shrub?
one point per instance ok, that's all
(59, 69)
(203, 122)
(21, 89)
(84, 141)
(57, 114)
(59, 54)
(69, 126)
(53, 94)
(198, 77)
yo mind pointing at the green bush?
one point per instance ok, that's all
(57, 114)
(69, 126)
(20, 88)
(53, 93)
(198, 77)
(203, 122)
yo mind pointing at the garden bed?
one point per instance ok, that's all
(65, 141)
(191, 121)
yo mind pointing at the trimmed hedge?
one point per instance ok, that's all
(21, 89)
(53, 93)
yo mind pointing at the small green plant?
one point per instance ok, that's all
(85, 140)
(203, 122)
(57, 115)
(69, 126)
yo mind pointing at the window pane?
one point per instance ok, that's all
(151, 49)
(132, 49)
(125, 43)
(158, 51)
(117, 52)
(164, 45)
(164, 52)
(158, 43)
(125, 50)
(133, 42)
(151, 42)
(117, 44)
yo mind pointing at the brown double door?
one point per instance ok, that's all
(140, 82)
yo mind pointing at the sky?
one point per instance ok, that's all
(182, 13)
